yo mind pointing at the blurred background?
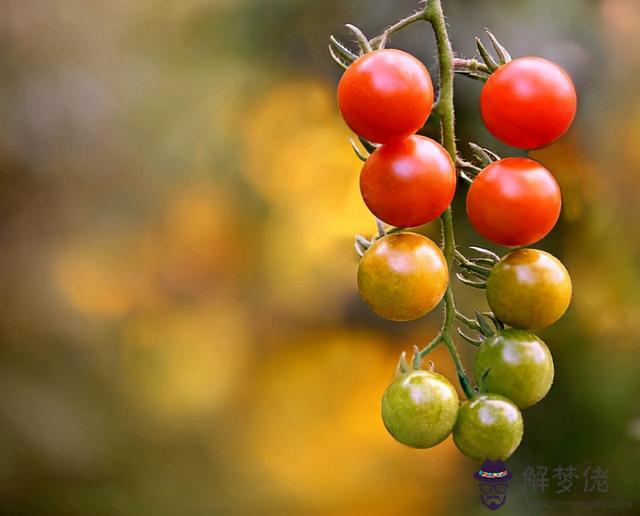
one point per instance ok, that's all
(180, 331)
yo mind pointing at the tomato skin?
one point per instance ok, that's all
(489, 426)
(519, 365)
(528, 103)
(514, 202)
(529, 289)
(419, 409)
(409, 182)
(403, 276)
(385, 95)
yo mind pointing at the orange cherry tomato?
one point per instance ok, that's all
(403, 276)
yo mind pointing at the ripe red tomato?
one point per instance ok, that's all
(528, 103)
(385, 95)
(409, 182)
(403, 276)
(514, 202)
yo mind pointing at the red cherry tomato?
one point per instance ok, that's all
(514, 202)
(385, 95)
(528, 103)
(409, 182)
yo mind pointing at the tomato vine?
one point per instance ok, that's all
(409, 180)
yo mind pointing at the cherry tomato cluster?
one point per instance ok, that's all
(386, 97)
(526, 289)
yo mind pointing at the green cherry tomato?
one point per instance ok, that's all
(515, 364)
(419, 409)
(529, 289)
(489, 426)
(403, 276)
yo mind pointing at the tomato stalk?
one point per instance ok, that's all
(434, 15)
(472, 68)
(381, 40)
(472, 324)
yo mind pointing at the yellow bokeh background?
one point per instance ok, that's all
(180, 330)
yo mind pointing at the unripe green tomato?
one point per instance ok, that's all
(529, 289)
(489, 426)
(403, 276)
(519, 366)
(420, 408)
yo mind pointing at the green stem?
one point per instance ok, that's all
(405, 22)
(417, 357)
(435, 16)
(445, 109)
(468, 322)
(466, 264)
(470, 65)
(462, 376)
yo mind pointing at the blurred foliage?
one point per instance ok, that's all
(179, 327)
